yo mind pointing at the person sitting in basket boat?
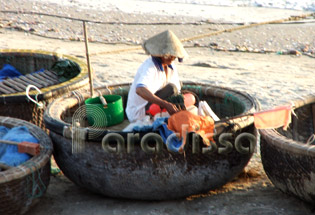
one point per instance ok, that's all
(157, 78)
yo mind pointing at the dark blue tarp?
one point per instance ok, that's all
(8, 71)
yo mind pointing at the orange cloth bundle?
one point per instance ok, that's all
(275, 118)
(185, 121)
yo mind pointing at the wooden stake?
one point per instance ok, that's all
(313, 113)
(88, 59)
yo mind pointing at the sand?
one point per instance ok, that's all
(247, 60)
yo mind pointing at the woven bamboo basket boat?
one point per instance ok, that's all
(288, 161)
(139, 175)
(21, 187)
(13, 97)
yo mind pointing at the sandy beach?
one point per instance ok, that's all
(272, 62)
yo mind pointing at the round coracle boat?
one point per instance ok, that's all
(29, 83)
(22, 186)
(123, 168)
(288, 156)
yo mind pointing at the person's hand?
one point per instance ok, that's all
(171, 108)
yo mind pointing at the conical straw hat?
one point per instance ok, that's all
(165, 44)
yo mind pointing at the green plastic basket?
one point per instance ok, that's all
(100, 116)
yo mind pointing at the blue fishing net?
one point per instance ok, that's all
(9, 153)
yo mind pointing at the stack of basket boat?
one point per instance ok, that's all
(22, 186)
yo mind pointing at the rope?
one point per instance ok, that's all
(183, 40)
(219, 32)
(101, 22)
(310, 140)
(39, 104)
(248, 26)
(117, 51)
(120, 91)
(34, 185)
(108, 90)
(295, 18)
(99, 92)
(78, 96)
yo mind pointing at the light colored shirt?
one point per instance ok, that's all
(152, 76)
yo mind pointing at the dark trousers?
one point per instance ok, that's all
(167, 91)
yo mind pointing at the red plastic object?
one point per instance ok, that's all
(154, 109)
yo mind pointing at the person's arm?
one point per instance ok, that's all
(150, 97)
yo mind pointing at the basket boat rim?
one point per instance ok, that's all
(47, 92)
(36, 162)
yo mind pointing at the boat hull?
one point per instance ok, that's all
(136, 173)
(23, 186)
(27, 62)
(287, 160)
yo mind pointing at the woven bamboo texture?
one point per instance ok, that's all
(21, 187)
(138, 175)
(13, 100)
(288, 161)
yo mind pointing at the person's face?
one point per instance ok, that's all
(168, 59)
